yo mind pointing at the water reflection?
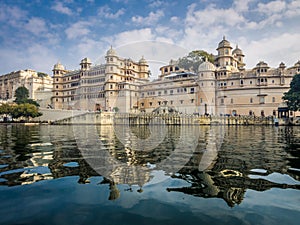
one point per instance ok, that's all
(215, 162)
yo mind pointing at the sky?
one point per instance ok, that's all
(37, 34)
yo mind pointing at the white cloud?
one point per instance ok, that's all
(211, 16)
(78, 29)
(105, 11)
(12, 15)
(151, 19)
(293, 9)
(273, 50)
(36, 57)
(156, 3)
(59, 7)
(242, 6)
(271, 7)
(128, 37)
(174, 19)
(36, 26)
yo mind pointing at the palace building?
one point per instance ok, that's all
(38, 84)
(110, 86)
(223, 87)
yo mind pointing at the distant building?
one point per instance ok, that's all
(38, 84)
(224, 87)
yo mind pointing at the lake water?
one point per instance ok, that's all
(149, 174)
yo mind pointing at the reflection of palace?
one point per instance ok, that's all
(219, 167)
(224, 87)
(240, 166)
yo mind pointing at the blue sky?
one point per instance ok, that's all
(36, 34)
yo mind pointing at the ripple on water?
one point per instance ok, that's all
(3, 166)
(71, 164)
(277, 178)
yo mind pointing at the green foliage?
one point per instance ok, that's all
(116, 109)
(194, 59)
(40, 74)
(22, 97)
(21, 94)
(25, 110)
(5, 109)
(292, 97)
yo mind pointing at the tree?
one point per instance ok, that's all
(22, 96)
(5, 109)
(292, 97)
(194, 59)
(25, 110)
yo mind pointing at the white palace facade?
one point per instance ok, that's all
(39, 86)
(224, 87)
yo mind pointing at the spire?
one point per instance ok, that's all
(223, 37)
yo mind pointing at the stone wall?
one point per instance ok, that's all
(108, 118)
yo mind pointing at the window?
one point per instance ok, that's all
(150, 103)
(171, 102)
(262, 100)
(192, 100)
(192, 90)
(142, 104)
(171, 92)
(273, 99)
(159, 102)
(181, 101)
(201, 100)
(250, 81)
(251, 100)
(231, 101)
(222, 101)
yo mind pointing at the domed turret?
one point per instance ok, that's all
(206, 66)
(143, 61)
(111, 52)
(58, 66)
(224, 44)
(237, 51)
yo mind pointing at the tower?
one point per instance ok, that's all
(239, 56)
(224, 57)
(85, 64)
(207, 88)
(57, 99)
